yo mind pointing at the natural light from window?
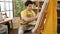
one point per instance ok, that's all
(6, 6)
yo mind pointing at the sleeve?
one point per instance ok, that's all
(23, 14)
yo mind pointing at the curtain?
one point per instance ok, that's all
(50, 26)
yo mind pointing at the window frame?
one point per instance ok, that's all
(5, 10)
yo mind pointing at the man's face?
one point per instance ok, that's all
(29, 7)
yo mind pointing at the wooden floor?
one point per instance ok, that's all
(15, 31)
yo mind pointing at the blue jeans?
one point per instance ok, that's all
(22, 32)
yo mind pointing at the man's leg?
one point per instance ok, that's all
(31, 32)
(21, 32)
(8, 25)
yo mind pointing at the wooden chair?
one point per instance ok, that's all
(14, 23)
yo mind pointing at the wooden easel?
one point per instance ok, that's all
(40, 21)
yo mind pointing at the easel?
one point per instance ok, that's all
(41, 18)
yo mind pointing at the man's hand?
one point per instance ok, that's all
(33, 18)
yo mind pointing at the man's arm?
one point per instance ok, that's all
(25, 18)
(29, 19)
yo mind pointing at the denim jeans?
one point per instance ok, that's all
(22, 32)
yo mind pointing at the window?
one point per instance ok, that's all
(6, 6)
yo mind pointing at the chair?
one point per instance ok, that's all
(14, 24)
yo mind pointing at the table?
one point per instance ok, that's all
(7, 20)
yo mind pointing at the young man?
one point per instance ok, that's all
(28, 16)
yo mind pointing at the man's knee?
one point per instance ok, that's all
(21, 32)
(31, 32)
